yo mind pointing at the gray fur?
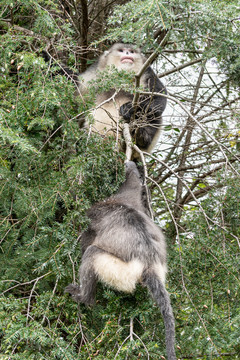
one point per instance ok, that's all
(160, 295)
(119, 229)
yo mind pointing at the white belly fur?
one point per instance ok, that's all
(122, 275)
(106, 115)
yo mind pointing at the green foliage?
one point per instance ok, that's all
(51, 171)
(122, 79)
(209, 26)
(208, 318)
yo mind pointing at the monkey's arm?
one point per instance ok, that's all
(130, 192)
(150, 103)
(144, 122)
(148, 114)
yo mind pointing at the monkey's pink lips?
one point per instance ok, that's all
(127, 59)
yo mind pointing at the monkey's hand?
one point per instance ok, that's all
(126, 111)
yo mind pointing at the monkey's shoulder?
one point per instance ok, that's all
(109, 206)
(153, 82)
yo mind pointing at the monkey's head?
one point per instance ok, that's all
(131, 168)
(124, 57)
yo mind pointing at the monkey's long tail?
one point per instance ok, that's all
(160, 295)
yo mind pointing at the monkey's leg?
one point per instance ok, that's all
(145, 134)
(85, 292)
(160, 295)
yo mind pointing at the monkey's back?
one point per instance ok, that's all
(124, 232)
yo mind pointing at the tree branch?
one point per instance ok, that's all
(147, 63)
(221, 146)
(180, 67)
(128, 141)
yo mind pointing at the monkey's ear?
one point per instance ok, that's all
(105, 54)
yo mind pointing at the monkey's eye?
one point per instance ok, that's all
(121, 50)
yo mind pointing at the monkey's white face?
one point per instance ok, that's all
(125, 57)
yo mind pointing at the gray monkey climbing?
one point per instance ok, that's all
(122, 247)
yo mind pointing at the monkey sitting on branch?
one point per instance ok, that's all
(122, 247)
(145, 117)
